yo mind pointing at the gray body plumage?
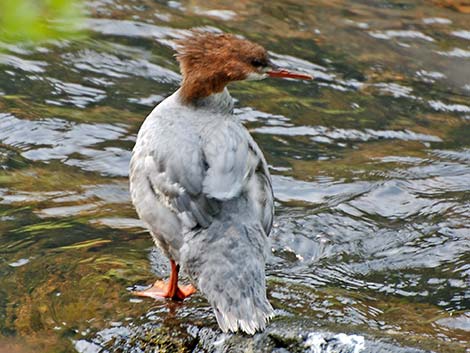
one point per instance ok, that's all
(202, 186)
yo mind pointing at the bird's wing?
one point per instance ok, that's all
(229, 161)
(193, 179)
(176, 177)
(265, 200)
(236, 165)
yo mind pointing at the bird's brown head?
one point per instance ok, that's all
(210, 61)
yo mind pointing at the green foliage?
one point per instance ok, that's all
(38, 20)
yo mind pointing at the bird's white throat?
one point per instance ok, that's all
(255, 76)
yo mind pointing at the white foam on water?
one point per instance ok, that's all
(83, 346)
(315, 342)
(356, 341)
(339, 343)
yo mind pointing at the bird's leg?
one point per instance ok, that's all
(170, 289)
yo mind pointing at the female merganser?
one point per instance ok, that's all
(201, 184)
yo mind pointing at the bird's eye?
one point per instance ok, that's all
(257, 63)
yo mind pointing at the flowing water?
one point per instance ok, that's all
(370, 164)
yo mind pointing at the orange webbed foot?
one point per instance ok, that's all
(170, 289)
(182, 292)
(162, 289)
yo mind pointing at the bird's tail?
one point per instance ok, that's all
(226, 262)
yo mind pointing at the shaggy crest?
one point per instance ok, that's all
(210, 61)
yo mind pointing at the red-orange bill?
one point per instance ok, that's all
(288, 74)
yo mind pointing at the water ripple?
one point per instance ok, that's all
(49, 139)
(118, 67)
(456, 52)
(288, 189)
(132, 29)
(347, 134)
(32, 66)
(390, 34)
(76, 94)
(462, 34)
(437, 20)
(224, 15)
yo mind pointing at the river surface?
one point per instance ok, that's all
(370, 165)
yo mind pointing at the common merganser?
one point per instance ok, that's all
(202, 186)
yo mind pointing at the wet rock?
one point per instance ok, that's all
(284, 335)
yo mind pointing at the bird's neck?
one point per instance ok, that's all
(221, 102)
